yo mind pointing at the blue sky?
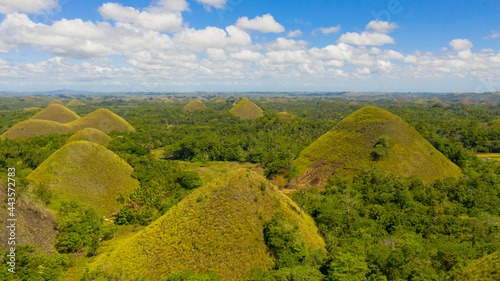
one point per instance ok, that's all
(242, 45)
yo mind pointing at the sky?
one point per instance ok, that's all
(243, 45)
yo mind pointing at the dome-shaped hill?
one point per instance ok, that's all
(35, 127)
(55, 102)
(57, 113)
(194, 105)
(246, 109)
(484, 269)
(75, 103)
(102, 119)
(217, 228)
(91, 134)
(86, 172)
(466, 102)
(372, 136)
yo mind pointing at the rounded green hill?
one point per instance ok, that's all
(372, 137)
(484, 269)
(58, 113)
(194, 105)
(218, 228)
(246, 109)
(75, 103)
(35, 127)
(91, 134)
(86, 172)
(103, 120)
(55, 102)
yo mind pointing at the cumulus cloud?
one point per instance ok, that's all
(219, 4)
(366, 39)
(155, 18)
(326, 30)
(377, 26)
(294, 33)
(461, 44)
(265, 24)
(27, 6)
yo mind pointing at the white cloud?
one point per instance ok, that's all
(294, 33)
(154, 18)
(377, 26)
(366, 39)
(391, 55)
(326, 30)
(27, 6)
(173, 5)
(212, 37)
(494, 35)
(219, 4)
(461, 44)
(247, 55)
(286, 44)
(265, 24)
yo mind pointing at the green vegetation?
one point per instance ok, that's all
(484, 269)
(92, 135)
(209, 228)
(372, 137)
(493, 156)
(56, 113)
(86, 172)
(246, 109)
(194, 105)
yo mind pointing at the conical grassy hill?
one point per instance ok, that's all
(484, 269)
(75, 103)
(86, 172)
(56, 112)
(92, 135)
(246, 109)
(372, 136)
(55, 102)
(218, 228)
(194, 105)
(102, 119)
(35, 127)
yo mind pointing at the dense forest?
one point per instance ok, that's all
(376, 226)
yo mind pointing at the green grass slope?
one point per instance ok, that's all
(351, 147)
(86, 172)
(35, 224)
(484, 269)
(75, 103)
(194, 105)
(35, 127)
(217, 228)
(246, 109)
(103, 120)
(91, 134)
(56, 112)
(55, 102)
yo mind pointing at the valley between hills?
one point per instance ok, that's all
(249, 186)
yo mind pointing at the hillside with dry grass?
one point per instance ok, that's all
(246, 109)
(92, 135)
(218, 228)
(194, 105)
(103, 120)
(56, 112)
(371, 137)
(86, 172)
(75, 103)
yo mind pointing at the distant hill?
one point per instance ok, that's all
(92, 135)
(102, 119)
(56, 112)
(246, 109)
(75, 103)
(86, 172)
(217, 228)
(372, 136)
(483, 269)
(35, 224)
(194, 105)
(55, 102)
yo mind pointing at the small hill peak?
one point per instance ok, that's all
(56, 112)
(194, 105)
(245, 109)
(92, 135)
(104, 120)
